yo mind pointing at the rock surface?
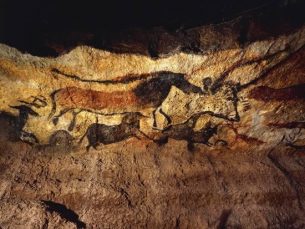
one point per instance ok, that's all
(213, 139)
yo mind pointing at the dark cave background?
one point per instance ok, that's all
(33, 25)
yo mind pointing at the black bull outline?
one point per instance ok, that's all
(151, 92)
(162, 83)
(154, 88)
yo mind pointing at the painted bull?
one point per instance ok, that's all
(149, 94)
(216, 96)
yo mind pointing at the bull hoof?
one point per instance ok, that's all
(55, 121)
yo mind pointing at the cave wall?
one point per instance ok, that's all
(199, 128)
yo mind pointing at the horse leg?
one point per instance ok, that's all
(95, 146)
(190, 145)
(162, 141)
(88, 147)
(139, 134)
(92, 143)
(93, 138)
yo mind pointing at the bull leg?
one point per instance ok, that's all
(73, 122)
(61, 113)
(154, 117)
(169, 121)
(204, 141)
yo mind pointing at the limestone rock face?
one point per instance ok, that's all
(100, 139)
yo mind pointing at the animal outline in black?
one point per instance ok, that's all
(185, 131)
(149, 93)
(151, 82)
(106, 134)
(24, 113)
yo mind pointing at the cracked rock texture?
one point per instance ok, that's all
(212, 138)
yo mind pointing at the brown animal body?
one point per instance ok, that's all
(282, 94)
(73, 97)
(149, 93)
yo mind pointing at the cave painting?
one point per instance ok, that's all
(148, 94)
(105, 134)
(157, 105)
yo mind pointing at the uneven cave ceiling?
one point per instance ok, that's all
(49, 28)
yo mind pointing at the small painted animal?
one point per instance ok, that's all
(105, 134)
(185, 131)
(24, 113)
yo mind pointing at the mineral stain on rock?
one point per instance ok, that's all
(288, 125)
(266, 94)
